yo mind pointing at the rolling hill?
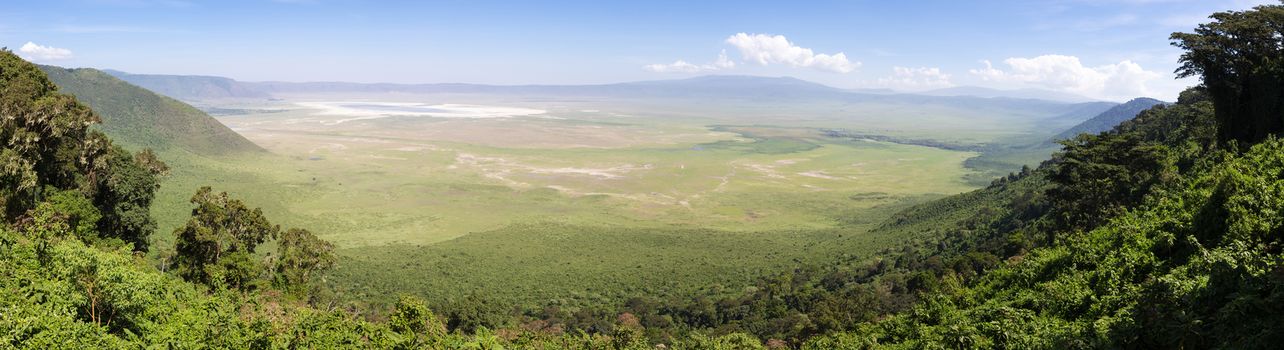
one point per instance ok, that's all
(1110, 118)
(137, 117)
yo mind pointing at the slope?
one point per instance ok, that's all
(140, 118)
(190, 87)
(1108, 119)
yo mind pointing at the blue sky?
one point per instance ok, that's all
(1109, 49)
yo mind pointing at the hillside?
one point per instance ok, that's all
(1142, 260)
(140, 118)
(190, 87)
(1110, 118)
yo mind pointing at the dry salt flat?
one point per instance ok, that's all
(364, 110)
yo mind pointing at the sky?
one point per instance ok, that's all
(1103, 49)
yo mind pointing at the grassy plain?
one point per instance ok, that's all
(569, 204)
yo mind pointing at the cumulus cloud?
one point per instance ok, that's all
(678, 66)
(32, 51)
(776, 49)
(1121, 80)
(921, 78)
(723, 62)
(681, 66)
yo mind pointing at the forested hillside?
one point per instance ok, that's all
(1164, 232)
(137, 117)
(1109, 119)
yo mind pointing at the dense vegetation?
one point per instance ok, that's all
(1164, 232)
(1109, 119)
(139, 118)
(72, 272)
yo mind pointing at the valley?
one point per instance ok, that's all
(507, 175)
(521, 199)
(526, 196)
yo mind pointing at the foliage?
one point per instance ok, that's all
(142, 119)
(1151, 235)
(45, 136)
(301, 256)
(124, 196)
(50, 150)
(217, 244)
(1238, 55)
(80, 214)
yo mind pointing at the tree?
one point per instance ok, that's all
(124, 195)
(49, 148)
(45, 136)
(1240, 56)
(300, 255)
(217, 243)
(412, 318)
(81, 215)
(1099, 176)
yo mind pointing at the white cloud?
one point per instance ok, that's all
(32, 51)
(681, 66)
(767, 49)
(723, 62)
(678, 66)
(1117, 81)
(922, 78)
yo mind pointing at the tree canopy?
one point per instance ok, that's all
(1240, 57)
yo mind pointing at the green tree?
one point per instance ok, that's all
(1240, 56)
(1100, 176)
(413, 320)
(45, 136)
(48, 147)
(300, 256)
(124, 195)
(81, 215)
(217, 243)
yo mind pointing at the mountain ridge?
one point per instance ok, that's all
(722, 86)
(1025, 93)
(1109, 118)
(138, 117)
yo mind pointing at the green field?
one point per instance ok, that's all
(523, 208)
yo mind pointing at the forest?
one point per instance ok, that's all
(1164, 232)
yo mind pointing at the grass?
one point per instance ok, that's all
(580, 210)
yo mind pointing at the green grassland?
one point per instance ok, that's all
(403, 188)
(514, 209)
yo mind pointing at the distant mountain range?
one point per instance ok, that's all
(134, 115)
(195, 87)
(1054, 113)
(1034, 94)
(137, 117)
(190, 87)
(738, 87)
(140, 116)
